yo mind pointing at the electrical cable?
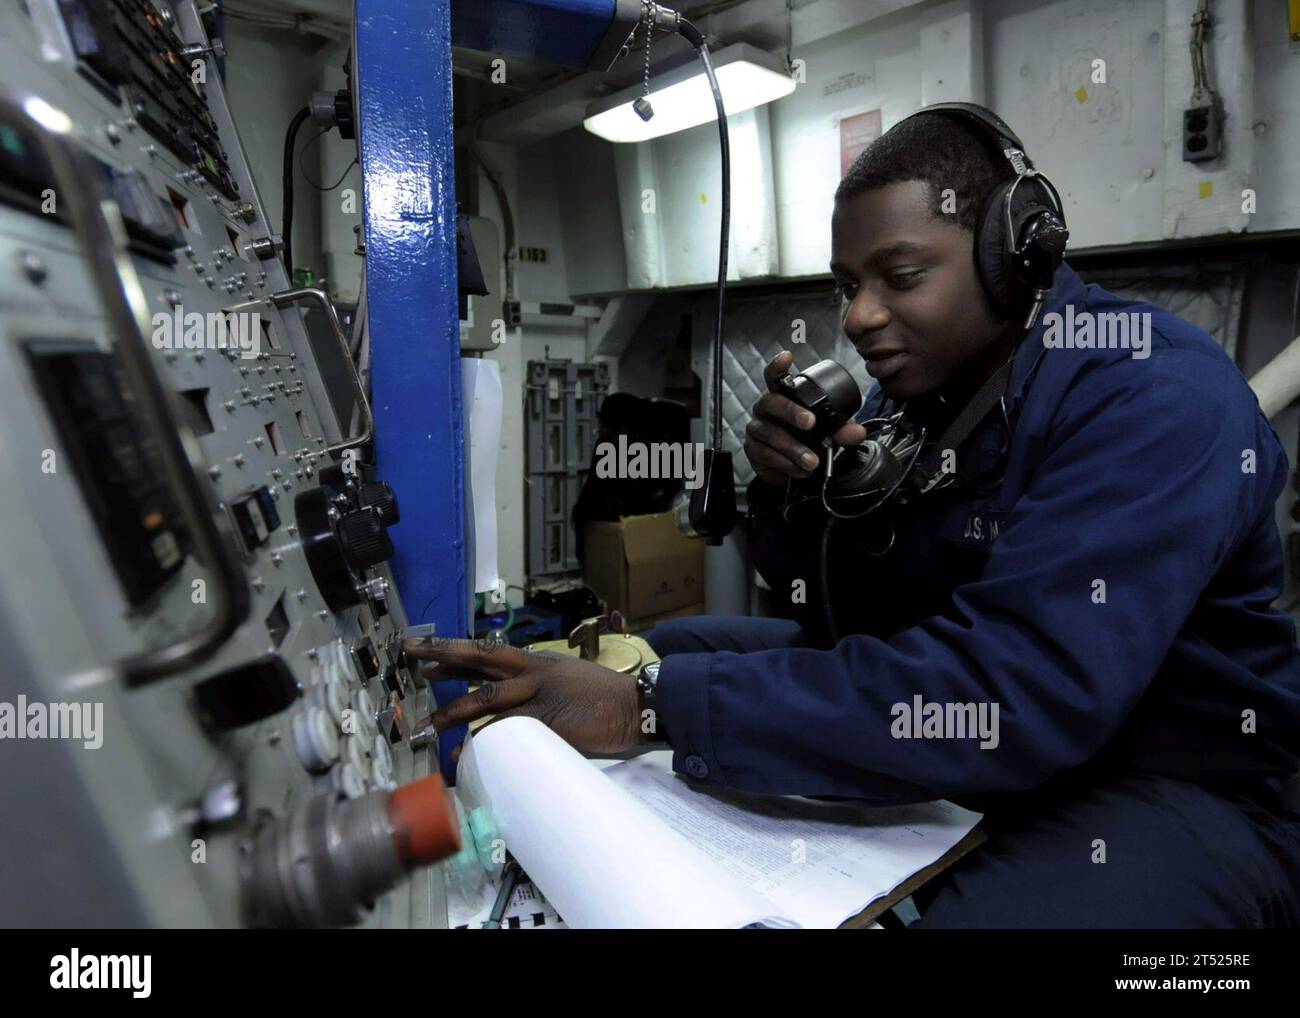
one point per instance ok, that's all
(290, 140)
(1201, 23)
(359, 320)
(363, 373)
(824, 573)
(1198, 48)
(307, 176)
(359, 347)
(789, 36)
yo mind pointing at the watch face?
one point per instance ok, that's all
(651, 671)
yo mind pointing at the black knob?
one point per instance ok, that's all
(364, 539)
(324, 549)
(379, 495)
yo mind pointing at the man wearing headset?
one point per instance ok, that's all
(1095, 576)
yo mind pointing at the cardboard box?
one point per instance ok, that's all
(644, 567)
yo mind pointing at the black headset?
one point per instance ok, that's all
(1021, 234)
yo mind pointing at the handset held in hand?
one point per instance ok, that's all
(828, 392)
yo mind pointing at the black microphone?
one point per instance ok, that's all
(828, 392)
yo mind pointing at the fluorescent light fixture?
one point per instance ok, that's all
(681, 98)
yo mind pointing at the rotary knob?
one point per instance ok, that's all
(379, 495)
(316, 739)
(330, 694)
(364, 540)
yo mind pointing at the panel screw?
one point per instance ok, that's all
(33, 266)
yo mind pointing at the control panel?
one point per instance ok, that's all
(195, 546)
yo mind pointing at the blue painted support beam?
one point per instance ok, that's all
(403, 64)
(566, 32)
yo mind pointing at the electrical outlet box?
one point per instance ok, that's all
(1202, 133)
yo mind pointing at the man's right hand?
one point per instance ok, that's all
(775, 453)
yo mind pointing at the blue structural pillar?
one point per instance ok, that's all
(572, 33)
(403, 71)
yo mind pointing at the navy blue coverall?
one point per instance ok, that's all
(1105, 574)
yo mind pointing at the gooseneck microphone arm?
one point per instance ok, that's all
(711, 511)
(692, 35)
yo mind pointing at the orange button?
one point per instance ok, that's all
(425, 828)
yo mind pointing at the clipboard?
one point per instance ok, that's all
(877, 908)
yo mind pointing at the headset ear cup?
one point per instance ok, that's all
(992, 253)
(1042, 235)
(1010, 283)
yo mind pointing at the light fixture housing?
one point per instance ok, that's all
(747, 77)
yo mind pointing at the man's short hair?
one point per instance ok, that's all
(939, 150)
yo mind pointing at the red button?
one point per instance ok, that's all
(425, 828)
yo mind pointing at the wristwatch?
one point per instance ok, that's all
(647, 684)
